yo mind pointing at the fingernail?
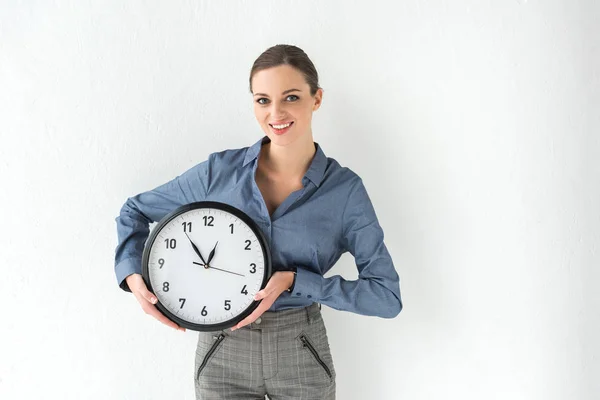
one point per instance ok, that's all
(153, 300)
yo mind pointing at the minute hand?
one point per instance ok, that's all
(195, 248)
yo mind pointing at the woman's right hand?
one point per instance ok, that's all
(147, 300)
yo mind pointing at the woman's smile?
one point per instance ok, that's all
(280, 129)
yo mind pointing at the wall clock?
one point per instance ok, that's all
(205, 261)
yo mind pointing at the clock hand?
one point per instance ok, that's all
(211, 255)
(224, 270)
(195, 248)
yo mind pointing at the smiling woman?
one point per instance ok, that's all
(285, 100)
(310, 209)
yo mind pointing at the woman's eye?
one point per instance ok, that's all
(260, 101)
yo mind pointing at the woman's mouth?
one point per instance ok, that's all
(280, 129)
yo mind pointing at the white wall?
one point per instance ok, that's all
(474, 125)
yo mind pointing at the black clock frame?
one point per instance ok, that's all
(195, 206)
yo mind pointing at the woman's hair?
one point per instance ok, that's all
(285, 54)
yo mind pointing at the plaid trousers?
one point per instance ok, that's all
(283, 354)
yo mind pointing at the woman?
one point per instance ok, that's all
(311, 210)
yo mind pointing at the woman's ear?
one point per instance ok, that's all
(318, 99)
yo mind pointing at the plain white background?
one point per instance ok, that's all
(474, 125)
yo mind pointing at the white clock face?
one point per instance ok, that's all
(199, 290)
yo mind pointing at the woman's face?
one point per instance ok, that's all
(281, 97)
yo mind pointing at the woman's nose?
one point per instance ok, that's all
(277, 110)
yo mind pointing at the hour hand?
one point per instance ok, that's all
(195, 248)
(212, 254)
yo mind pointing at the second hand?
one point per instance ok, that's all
(207, 267)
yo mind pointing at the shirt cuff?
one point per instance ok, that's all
(308, 285)
(125, 268)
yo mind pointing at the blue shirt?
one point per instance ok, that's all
(311, 229)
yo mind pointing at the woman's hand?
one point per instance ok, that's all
(280, 282)
(147, 300)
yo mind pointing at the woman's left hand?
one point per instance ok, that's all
(280, 282)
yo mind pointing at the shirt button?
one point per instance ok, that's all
(298, 294)
(258, 320)
(309, 296)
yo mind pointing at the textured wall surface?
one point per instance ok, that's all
(474, 126)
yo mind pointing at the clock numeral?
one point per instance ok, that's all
(253, 270)
(208, 220)
(231, 226)
(248, 245)
(244, 291)
(228, 304)
(171, 243)
(166, 286)
(204, 312)
(161, 262)
(187, 227)
(182, 303)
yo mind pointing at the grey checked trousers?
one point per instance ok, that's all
(283, 354)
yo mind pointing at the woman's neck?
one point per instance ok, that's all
(291, 161)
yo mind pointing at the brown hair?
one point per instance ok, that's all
(285, 54)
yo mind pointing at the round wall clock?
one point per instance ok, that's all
(205, 261)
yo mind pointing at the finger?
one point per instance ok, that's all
(146, 294)
(261, 295)
(153, 311)
(264, 306)
(268, 290)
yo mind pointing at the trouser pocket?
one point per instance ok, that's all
(201, 365)
(309, 346)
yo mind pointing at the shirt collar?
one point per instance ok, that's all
(315, 171)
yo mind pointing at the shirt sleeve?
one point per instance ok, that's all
(376, 292)
(140, 210)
